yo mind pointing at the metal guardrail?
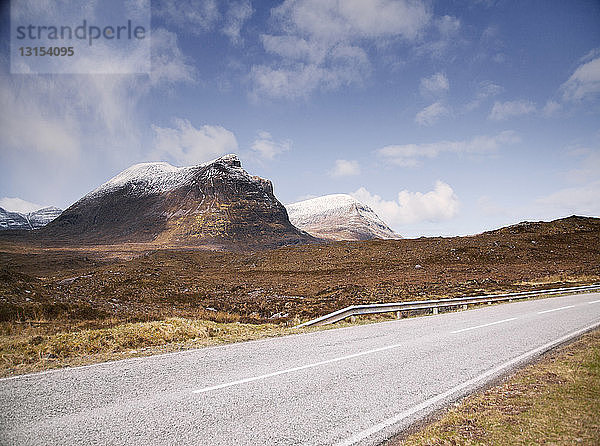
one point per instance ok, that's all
(399, 307)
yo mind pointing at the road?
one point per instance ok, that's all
(355, 385)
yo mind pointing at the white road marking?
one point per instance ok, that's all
(484, 325)
(555, 309)
(594, 302)
(359, 436)
(295, 369)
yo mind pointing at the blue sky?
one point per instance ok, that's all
(446, 117)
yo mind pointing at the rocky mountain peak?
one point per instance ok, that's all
(338, 217)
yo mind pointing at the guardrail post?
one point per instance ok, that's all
(398, 314)
(436, 310)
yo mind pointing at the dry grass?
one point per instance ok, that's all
(25, 350)
(555, 401)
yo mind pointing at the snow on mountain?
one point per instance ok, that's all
(158, 177)
(43, 216)
(29, 221)
(338, 217)
(215, 204)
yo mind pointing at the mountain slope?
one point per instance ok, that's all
(338, 217)
(29, 221)
(13, 220)
(43, 216)
(217, 204)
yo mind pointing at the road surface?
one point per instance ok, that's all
(356, 385)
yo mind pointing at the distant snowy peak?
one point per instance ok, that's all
(43, 216)
(338, 217)
(29, 221)
(160, 177)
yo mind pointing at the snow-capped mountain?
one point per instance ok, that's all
(338, 217)
(29, 221)
(43, 216)
(214, 204)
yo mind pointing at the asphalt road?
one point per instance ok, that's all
(356, 385)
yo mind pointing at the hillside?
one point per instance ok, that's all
(304, 281)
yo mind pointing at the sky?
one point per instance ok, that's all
(445, 117)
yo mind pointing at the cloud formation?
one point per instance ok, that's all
(345, 168)
(267, 148)
(236, 16)
(585, 81)
(186, 145)
(410, 155)
(435, 84)
(429, 115)
(485, 90)
(195, 16)
(505, 110)
(320, 42)
(439, 204)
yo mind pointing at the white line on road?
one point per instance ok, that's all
(295, 369)
(594, 302)
(484, 325)
(442, 396)
(555, 309)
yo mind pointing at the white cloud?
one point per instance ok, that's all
(18, 205)
(331, 20)
(429, 115)
(579, 200)
(448, 25)
(435, 84)
(195, 16)
(187, 145)
(267, 148)
(319, 43)
(447, 29)
(62, 116)
(345, 168)
(485, 90)
(551, 108)
(169, 64)
(408, 155)
(585, 81)
(31, 125)
(439, 204)
(237, 14)
(299, 79)
(505, 110)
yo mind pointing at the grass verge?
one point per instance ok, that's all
(28, 351)
(553, 401)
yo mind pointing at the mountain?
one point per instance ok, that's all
(13, 220)
(43, 216)
(338, 217)
(216, 204)
(29, 221)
